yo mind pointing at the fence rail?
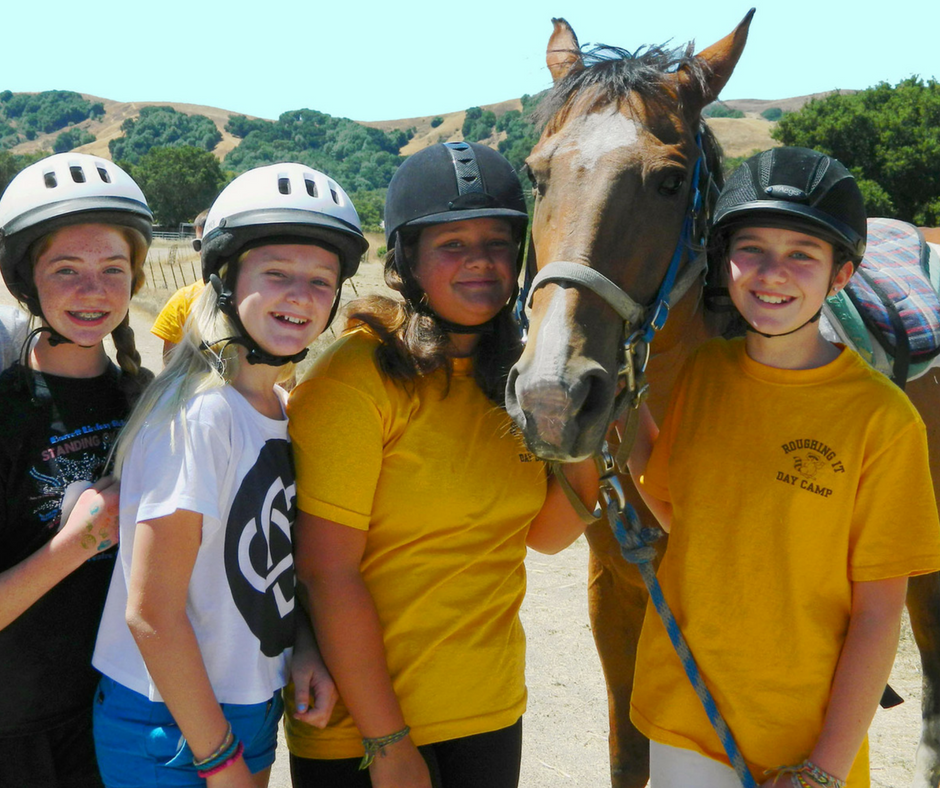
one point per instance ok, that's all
(163, 235)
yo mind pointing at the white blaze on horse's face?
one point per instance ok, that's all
(589, 138)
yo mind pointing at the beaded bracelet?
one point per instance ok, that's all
(377, 746)
(226, 743)
(814, 772)
(234, 756)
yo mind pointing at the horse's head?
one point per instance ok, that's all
(614, 174)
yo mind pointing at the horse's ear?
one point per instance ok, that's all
(563, 55)
(718, 63)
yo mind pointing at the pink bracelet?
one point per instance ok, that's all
(227, 762)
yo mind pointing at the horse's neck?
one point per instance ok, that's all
(688, 327)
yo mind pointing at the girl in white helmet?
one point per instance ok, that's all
(197, 631)
(74, 233)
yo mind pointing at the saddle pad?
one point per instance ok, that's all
(896, 293)
(893, 292)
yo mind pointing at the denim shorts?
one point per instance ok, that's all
(139, 745)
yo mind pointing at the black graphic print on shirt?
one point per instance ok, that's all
(259, 561)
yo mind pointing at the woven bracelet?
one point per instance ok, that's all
(814, 772)
(218, 767)
(220, 750)
(375, 747)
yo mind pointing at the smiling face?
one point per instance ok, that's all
(285, 293)
(780, 278)
(83, 277)
(467, 269)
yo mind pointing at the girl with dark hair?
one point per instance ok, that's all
(418, 498)
(74, 233)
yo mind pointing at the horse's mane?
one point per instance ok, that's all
(620, 74)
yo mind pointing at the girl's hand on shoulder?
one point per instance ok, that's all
(93, 523)
(400, 765)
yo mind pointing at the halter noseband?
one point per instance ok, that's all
(651, 318)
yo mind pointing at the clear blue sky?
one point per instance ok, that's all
(372, 60)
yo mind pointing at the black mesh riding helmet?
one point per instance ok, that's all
(450, 182)
(795, 189)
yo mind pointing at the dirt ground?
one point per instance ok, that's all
(565, 740)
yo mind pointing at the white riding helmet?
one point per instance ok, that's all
(278, 204)
(282, 201)
(62, 190)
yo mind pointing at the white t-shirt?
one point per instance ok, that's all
(233, 466)
(14, 324)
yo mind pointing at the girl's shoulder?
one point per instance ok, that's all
(346, 375)
(350, 360)
(351, 354)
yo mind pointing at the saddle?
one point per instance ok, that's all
(890, 311)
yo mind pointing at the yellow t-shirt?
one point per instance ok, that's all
(446, 490)
(169, 323)
(786, 486)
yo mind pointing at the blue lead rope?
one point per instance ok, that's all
(636, 546)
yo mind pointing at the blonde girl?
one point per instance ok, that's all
(197, 632)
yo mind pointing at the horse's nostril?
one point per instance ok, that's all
(596, 400)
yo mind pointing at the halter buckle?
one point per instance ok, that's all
(660, 315)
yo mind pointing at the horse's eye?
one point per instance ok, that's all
(672, 184)
(537, 188)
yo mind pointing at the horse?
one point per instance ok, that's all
(613, 175)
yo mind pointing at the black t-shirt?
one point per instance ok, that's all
(53, 431)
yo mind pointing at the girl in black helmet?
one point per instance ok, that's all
(74, 233)
(418, 498)
(778, 469)
(196, 633)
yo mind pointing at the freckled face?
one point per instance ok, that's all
(284, 295)
(83, 279)
(467, 269)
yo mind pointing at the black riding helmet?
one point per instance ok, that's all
(795, 189)
(450, 182)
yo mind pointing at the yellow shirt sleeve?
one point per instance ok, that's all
(169, 323)
(335, 428)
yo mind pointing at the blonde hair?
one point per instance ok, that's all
(203, 360)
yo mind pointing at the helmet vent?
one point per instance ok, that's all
(78, 174)
(335, 196)
(765, 166)
(466, 167)
(103, 174)
(50, 180)
(283, 185)
(311, 187)
(822, 167)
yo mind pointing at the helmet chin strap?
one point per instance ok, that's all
(55, 338)
(256, 353)
(813, 319)
(458, 328)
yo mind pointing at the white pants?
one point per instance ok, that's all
(673, 767)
